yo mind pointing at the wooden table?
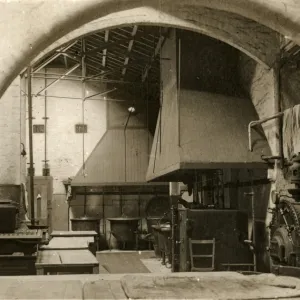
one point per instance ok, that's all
(68, 243)
(66, 261)
(74, 239)
(74, 234)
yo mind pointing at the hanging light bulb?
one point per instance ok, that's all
(131, 109)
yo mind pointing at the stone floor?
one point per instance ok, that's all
(125, 262)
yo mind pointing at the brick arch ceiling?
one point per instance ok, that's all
(29, 27)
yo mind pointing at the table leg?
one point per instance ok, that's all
(40, 271)
(96, 270)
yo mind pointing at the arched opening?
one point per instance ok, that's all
(218, 55)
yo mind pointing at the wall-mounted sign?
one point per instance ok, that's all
(81, 128)
(38, 128)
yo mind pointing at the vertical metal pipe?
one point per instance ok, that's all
(125, 147)
(103, 214)
(83, 73)
(278, 109)
(84, 205)
(178, 88)
(31, 174)
(45, 124)
(252, 195)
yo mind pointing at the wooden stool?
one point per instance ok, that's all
(66, 261)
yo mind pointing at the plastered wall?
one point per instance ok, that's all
(65, 149)
(11, 134)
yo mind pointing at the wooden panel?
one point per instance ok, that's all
(69, 243)
(48, 258)
(77, 257)
(65, 257)
(73, 233)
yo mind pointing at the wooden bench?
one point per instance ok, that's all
(66, 261)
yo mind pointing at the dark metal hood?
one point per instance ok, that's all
(201, 130)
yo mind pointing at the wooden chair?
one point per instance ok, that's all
(192, 255)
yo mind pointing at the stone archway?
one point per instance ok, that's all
(28, 28)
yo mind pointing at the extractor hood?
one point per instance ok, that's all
(120, 158)
(199, 131)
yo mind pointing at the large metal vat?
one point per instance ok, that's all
(86, 224)
(124, 229)
(156, 213)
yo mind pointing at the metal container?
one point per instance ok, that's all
(124, 229)
(154, 221)
(86, 224)
(8, 216)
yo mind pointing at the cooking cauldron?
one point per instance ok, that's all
(124, 229)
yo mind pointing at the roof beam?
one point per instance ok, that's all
(130, 45)
(104, 52)
(156, 52)
(58, 79)
(54, 56)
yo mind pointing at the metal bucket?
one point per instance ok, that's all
(86, 224)
(124, 229)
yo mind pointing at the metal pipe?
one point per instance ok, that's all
(83, 87)
(259, 122)
(58, 79)
(77, 98)
(103, 215)
(125, 148)
(100, 94)
(84, 205)
(45, 124)
(252, 194)
(91, 79)
(178, 88)
(31, 175)
(277, 96)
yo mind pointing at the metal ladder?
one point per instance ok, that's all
(192, 256)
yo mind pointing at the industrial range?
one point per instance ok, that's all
(150, 151)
